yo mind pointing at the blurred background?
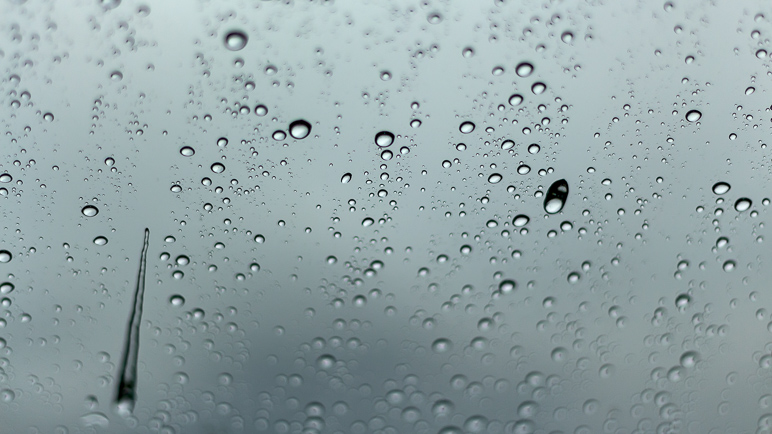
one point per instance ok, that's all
(386, 217)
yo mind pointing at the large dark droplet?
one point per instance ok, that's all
(556, 197)
(126, 395)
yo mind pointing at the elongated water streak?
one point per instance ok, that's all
(126, 395)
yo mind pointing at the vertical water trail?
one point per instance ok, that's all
(127, 394)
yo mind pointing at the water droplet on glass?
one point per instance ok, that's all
(384, 139)
(682, 301)
(89, 211)
(116, 76)
(100, 241)
(693, 115)
(538, 88)
(95, 419)
(48, 117)
(742, 204)
(6, 178)
(279, 135)
(750, 90)
(235, 40)
(222, 142)
(325, 361)
(721, 187)
(6, 287)
(187, 151)
(507, 144)
(534, 148)
(442, 345)
(177, 300)
(689, 359)
(516, 99)
(494, 178)
(467, 52)
(573, 277)
(182, 260)
(217, 168)
(520, 220)
(729, 265)
(367, 222)
(261, 110)
(556, 197)
(524, 69)
(466, 127)
(345, 178)
(299, 129)
(523, 169)
(567, 37)
(507, 286)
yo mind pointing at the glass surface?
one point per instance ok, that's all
(385, 217)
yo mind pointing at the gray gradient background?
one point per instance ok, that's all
(64, 324)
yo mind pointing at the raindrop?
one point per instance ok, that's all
(515, 100)
(524, 69)
(467, 52)
(442, 345)
(742, 204)
(682, 301)
(48, 117)
(345, 178)
(520, 220)
(325, 361)
(721, 187)
(177, 300)
(182, 260)
(5, 178)
(538, 88)
(299, 129)
(89, 211)
(507, 144)
(523, 169)
(689, 359)
(693, 115)
(567, 37)
(261, 110)
(729, 265)
(367, 222)
(494, 178)
(217, 168)
(466, 127)
(6, 287)
(384, 139)
(556, 197)
(235, 40)
(507, 286)
(533, 148)
(750, 90)
(222, 142)
(100, 241)
(573, 277)
(187, 151)
(279, 135)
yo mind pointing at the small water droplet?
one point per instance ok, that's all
(556, 197)
(367, 222)
(177, 300)
(495, 178)
(279, 135)
(384, 139)
(523, 169)
(693, 115)
(100, 241)
(466, 127)
(187, 151)
(235, 40)
(729, 265)
(750, 90)
(325, 361)
(89, 211)
(346, 178)
(442, 345)
(538, 88)
(6, 287)
(6, 178)
(217, 168)
(507, 286)
(516, 99)
(48, 117)
(567, 37)
(222, 142)
(721, 187)
(534, 148)
(299, 129)
(524, 69)
(742, 204)
(507, 144)
(261, 110)
(520, 220)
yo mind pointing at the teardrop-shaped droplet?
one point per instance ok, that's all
(520, 220)
(556, 197)
(345, 178)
